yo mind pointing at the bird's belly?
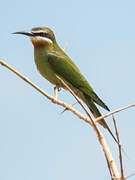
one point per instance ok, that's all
(46, 71)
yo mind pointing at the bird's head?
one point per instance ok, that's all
(40, 36)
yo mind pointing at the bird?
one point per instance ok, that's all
(52, 62)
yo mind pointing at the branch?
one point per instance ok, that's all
(78, 100)
(65, 46)
(130, 176)
(54, 100)
(81, 116)
(108, 155)
(120, 151)
(113, 112)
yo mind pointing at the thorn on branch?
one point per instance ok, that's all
(71, 105)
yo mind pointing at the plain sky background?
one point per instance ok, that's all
(36, 141)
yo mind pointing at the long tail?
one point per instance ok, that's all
(96, 113)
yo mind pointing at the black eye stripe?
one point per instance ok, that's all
(49, 36)
(43, 34)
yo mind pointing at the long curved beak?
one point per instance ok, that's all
(24, 33)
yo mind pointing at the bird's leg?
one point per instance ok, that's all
(56, 89)
(55, 92)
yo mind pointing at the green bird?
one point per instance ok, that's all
(52, 62)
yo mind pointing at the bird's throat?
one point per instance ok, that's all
(39, 44)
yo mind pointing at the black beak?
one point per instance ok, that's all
(24, 33)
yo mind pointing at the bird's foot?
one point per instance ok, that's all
(56, 90)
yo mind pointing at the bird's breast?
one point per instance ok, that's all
(43, 66)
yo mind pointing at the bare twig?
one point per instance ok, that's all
(110, 171)
(78, 100)
(67, 109)
(65, 46)
(60, 102)
(88, 120)
(108, 155)
(113, 112)
(130, 176)
(54, 100)
(110, 161)
(120, 151)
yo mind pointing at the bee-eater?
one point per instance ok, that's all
(52, 61)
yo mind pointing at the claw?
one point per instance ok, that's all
(59, 89)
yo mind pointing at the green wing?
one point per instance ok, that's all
(67, 70)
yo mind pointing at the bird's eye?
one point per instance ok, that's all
(47, 35)
(40, 34)
(44, 34)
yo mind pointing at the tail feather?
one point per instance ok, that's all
(96, 113)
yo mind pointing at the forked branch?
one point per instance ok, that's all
(81, 116)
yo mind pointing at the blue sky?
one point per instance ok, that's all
(36, 141)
